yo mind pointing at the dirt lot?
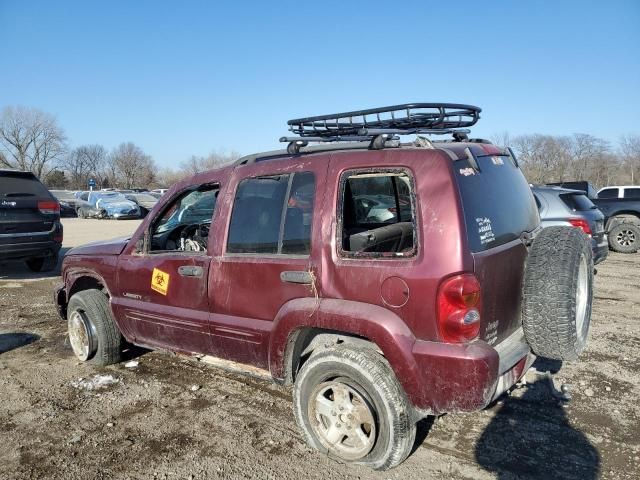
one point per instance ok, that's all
(176, 418)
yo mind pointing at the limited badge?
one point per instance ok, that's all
(160, 281)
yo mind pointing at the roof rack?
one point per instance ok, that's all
(379, 125)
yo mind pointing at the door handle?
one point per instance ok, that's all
(302, 277)
(190, 271)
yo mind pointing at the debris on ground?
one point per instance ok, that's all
(95, 383)
(132, 364)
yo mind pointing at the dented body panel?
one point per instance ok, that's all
(253, 308)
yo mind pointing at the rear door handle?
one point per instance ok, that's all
(302, 277)
(190, 271)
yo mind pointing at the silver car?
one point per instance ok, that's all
(561, 206)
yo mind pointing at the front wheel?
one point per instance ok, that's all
(350, 407)
(93, 333)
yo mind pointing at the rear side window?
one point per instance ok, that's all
(497, 201)
(13, 185)
(608, 193)
(273, 215)
(632, 193)
(377, 214)
(577, 202)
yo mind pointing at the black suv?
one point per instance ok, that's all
(30, 227)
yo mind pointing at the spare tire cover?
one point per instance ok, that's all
(558, 292)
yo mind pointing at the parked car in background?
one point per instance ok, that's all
(561, 206)
(106, 204)
(30, 227)
(145, 202)
(67, 200)
(628, 191)
(161, 191)
(584, 186)
(621, 209)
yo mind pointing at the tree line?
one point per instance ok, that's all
(32, 140)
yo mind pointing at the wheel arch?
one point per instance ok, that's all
(305, 324)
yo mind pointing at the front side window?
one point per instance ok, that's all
(273, 215)
(377, 216)
(184, 224)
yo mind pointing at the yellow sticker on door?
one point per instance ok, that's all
(160, 281)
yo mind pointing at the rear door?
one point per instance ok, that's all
(498, 207)
(26, 206)
(268, 257)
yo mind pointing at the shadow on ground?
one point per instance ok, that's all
(10, 341)
(18, 270)
(531, 437)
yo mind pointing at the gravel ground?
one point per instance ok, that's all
(176, 418)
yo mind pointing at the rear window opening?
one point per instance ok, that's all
(377, 214)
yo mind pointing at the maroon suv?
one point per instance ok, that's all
(386, 281)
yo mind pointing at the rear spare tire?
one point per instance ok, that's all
(624, 237)
(558, 291)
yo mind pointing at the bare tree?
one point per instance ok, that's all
(215, 159)
(131, 167)
(31, 139)
(84, 162)
(630, 153)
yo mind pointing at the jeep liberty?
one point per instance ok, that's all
(385, 281)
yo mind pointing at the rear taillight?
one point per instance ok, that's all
(49, 207)
(459, 305)
(581, 223)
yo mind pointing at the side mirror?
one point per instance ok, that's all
(140, 245)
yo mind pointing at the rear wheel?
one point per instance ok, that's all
(624, 237)
(558, 291)
(43, 264)
(350, 407)
(81, 213)
(93, 333)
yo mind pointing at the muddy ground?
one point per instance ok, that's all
(176, 418)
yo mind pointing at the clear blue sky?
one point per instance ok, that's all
(182, 78)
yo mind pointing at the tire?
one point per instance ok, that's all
(91, 324)
(43, 264)
(624, 237)
(372, 386)
(558, 292)
(80, 213)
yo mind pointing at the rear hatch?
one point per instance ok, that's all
(26, 206)
(583, 207)
(498, 209)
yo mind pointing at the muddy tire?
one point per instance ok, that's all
(351, 408)
(80, 213)
(44, 264)
(558, 291)
(624, 237)
(93, 333)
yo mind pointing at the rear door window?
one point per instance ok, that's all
(632, 193)
(577, 202)
(273, 215)
(497, 201)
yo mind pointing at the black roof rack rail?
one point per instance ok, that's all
(379, 125)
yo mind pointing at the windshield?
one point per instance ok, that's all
(106, 197)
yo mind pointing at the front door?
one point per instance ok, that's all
(162, 290)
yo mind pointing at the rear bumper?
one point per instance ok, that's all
(29, 249)
(467, 377)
